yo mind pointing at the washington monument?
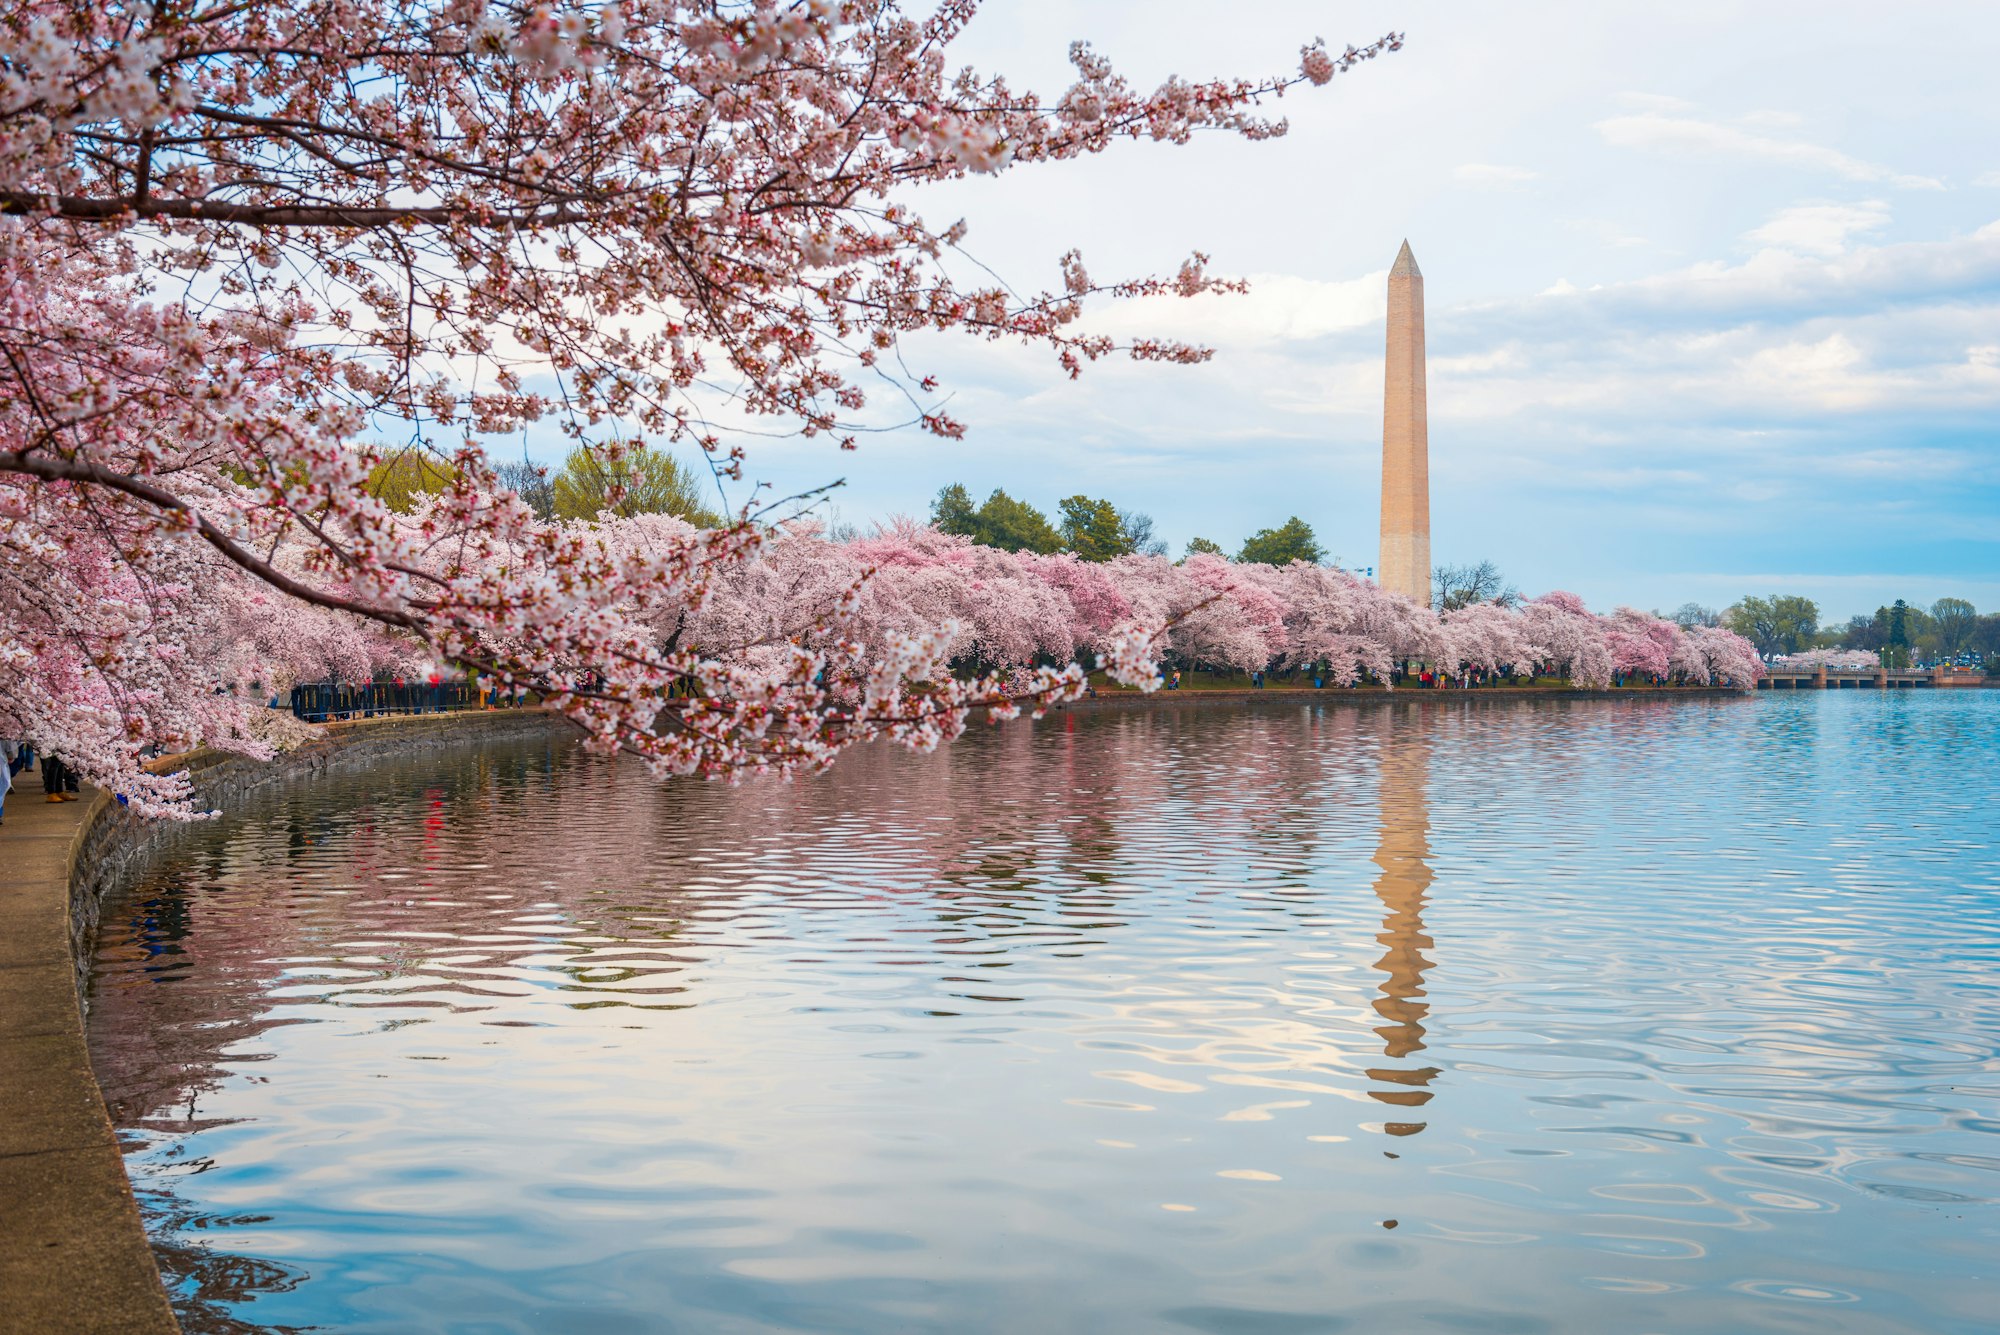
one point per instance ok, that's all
(1405, 564)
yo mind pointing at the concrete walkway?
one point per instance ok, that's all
(73, 1255)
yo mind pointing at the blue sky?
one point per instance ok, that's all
(1713, 291)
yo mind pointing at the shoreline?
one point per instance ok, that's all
(1377, 695)
(74, 1254)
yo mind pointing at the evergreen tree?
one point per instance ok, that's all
(953, 512)
(1291, 541)
(1093, 529)
(1015, 526)
(1198, 546)
(1897, 652)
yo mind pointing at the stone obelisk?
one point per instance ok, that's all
(1405, 565)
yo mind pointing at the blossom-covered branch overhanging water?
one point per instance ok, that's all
(236, 240)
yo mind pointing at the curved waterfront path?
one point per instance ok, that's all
(73, 1253)
(74, 1256)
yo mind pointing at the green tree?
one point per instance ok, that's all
(1896, 634)
(1922, 633)
(1198, 546)
(1952, 623)
(1015, 526)
(654, 482)
(408, 475)
(1291, 541)
(1780, 624)
(1093, 529)
(953, 512)
(1986, 642)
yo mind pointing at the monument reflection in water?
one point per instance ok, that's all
(1626, 1016)
(1402, 887)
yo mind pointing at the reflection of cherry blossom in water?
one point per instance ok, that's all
(1107, 1023)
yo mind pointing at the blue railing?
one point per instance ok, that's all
(323, 702)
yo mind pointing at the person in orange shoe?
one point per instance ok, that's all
(58, 779)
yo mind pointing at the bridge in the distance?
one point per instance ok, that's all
(1822, 678)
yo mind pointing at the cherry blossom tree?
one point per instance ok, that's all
(1009, 613)
(1484, 635)
(1324, 612)
(1833, 658)
(1565, 638)
(1715, 655)
(236, 238)
(1640, 643)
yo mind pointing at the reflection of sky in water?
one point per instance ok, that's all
(1591, 1017)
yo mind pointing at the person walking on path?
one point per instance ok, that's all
(12, 751)
(58, 779)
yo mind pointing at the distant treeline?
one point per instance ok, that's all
(1900, 633)
(1097, 530)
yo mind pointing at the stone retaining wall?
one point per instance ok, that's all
(113, 840)
(74, 1258)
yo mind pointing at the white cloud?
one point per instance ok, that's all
(1606, 231)
(1507, 357)
(1655, 102)
(1775, 283)
(1827, 375)
(1494, 174)
(1686, 135)
(1611, 435)
(1279, 308)
(1822, 229)
(1897, 465)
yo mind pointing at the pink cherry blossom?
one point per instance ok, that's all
(238, 241)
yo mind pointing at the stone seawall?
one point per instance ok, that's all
(74, 1259)
(113, 841)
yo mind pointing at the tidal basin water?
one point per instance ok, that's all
(1581, 1017)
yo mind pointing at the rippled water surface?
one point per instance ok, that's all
(1588, 1017)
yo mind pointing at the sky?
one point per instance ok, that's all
(1713, 294)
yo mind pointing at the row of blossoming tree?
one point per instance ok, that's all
(1013, 611)
(237, 236)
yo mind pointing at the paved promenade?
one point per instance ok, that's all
(73, 1257)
